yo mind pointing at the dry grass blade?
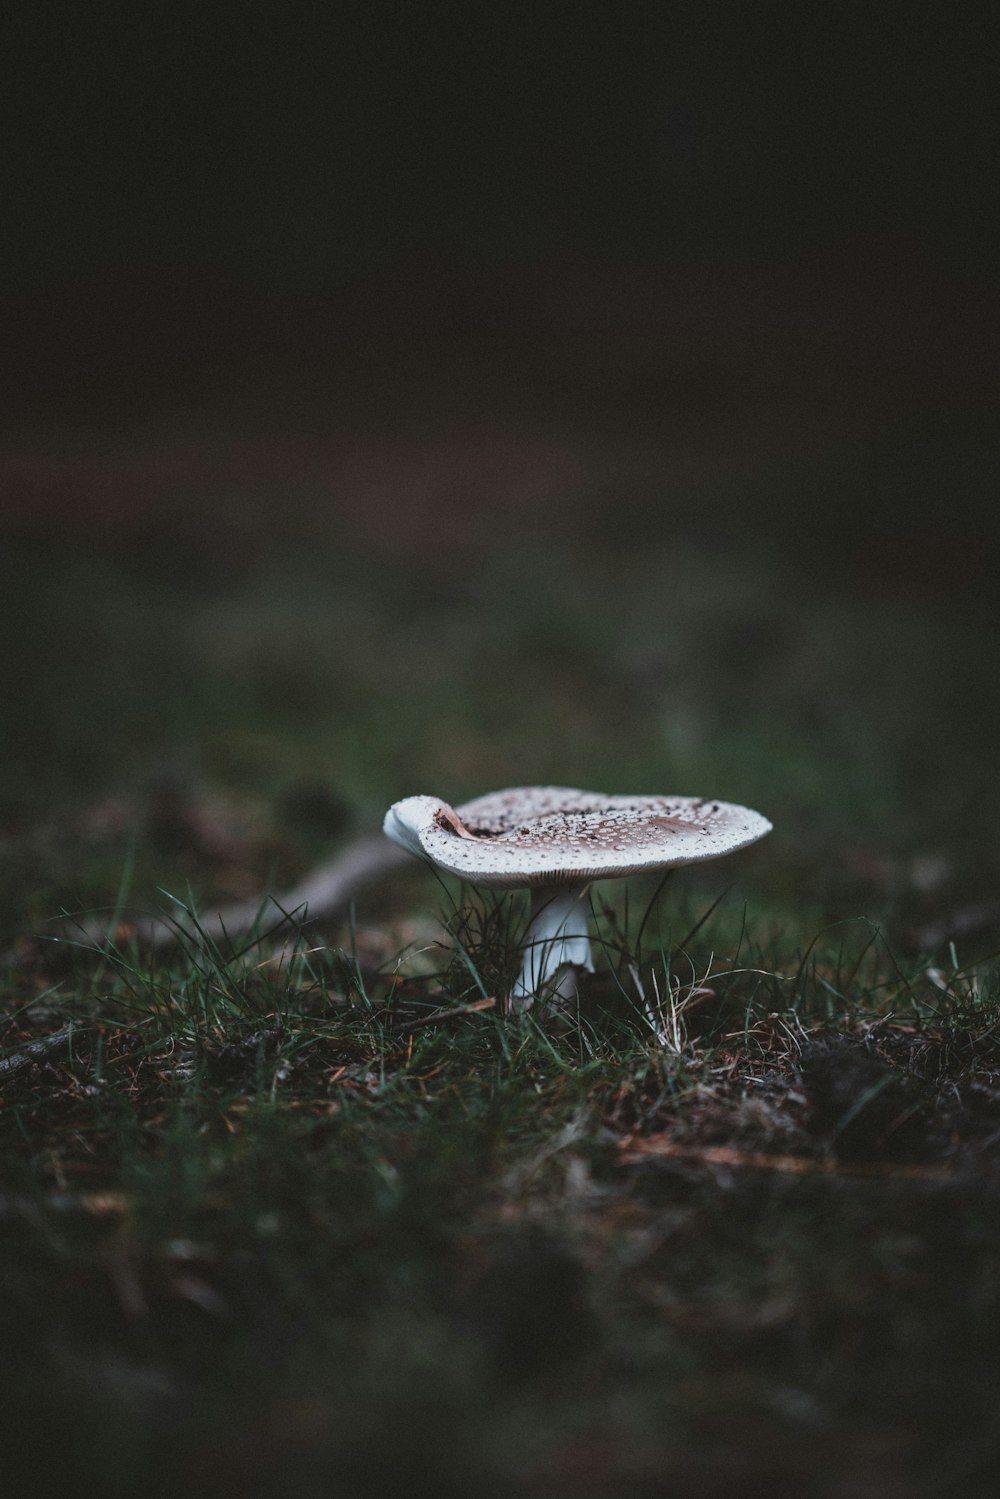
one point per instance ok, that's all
(98, 1205)
(475, 1008)
(633, 1150)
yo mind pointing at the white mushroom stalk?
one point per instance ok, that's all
(555, 840)
(557, 941)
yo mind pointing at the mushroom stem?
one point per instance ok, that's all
(549, 946)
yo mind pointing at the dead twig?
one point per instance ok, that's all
(37, 1051)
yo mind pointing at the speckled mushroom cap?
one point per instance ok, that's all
(548, 835)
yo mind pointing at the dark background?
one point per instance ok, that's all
(314, 250)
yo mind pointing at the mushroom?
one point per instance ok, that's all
(556, 840)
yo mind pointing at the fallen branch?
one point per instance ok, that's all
(324, 893)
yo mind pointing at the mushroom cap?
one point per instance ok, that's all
(548, 835)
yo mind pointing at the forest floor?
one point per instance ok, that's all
(308, 1214)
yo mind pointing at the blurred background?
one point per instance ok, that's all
(435, 398)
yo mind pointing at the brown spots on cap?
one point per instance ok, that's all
(547, 834)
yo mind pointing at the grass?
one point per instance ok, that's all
(313, 1217)
(261, 1210)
